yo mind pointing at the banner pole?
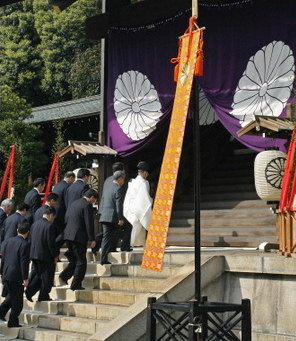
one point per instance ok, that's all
(196, 148)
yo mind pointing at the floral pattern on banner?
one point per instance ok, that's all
(266, 84)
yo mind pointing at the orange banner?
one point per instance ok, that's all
(161, 215)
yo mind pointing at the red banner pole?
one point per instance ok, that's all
(11, 174)
(52, 174)
(289, 171)
(7, 172)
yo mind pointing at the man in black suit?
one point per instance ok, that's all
(43, 254)
(112, 213)
(33, 197)
(60, 189)
(78, 232)
(14, 271)
(5, 209)
(12, 222)
(51, 201)
(78, 188)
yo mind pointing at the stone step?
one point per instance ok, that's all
(235, 212)
(91, 281)
(221, 204)
(87, 310)
(227, 231)
(137, 284)
(63, 323)
(142, 285)
(231, 173)
(95, 311)
(92, 268)
(226, 221)
(113, 297)
(210, 181)
(231, 188)
(228, 241)
(137, 271)
(227, 196)
(41, 334)
(131, 258)
(238, 165)
(122, 270)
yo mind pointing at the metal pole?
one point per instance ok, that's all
(197, 191)
(196, 178)
(103, 76)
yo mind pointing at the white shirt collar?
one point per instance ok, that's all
(37, 190)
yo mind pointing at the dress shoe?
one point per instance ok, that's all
(95, 250)
(13, 325)
(127, 250)
(104, 263)
(44, 299)
(29, 298)
(77, 288)
(63, 281)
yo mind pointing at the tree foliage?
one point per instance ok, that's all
(84, 77)
(38, 48)
(30, 160)
(62, 37)
(20, 61)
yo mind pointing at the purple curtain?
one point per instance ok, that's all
(249, 69)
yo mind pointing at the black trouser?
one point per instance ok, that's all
(125, 236)
(13, 301)
(77, 264)
(123, 233)
(41, 279)
(109, 231)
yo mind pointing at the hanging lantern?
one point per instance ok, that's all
(269, 171)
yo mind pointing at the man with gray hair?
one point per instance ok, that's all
(112, 212)
(5, 209)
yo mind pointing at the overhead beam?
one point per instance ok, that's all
(124, 14)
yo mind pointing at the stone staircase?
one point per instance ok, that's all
(110, 291)
(231, 212)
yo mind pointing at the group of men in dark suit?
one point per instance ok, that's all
(67, 216)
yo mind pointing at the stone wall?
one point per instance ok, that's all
(273, 295)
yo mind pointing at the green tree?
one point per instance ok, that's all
(84, 77)
(38, 47)
(30, 160)
(20, 61)
(62, 37)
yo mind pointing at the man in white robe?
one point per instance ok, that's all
(137, 207)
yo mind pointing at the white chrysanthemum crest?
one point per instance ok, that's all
(136, 104)
(266, 84)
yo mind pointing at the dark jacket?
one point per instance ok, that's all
(15, 259)
(80, 222)
(42, 238)
(39, 213)
(33, 199)
(112, 207)
(3, 217)
(60, 189)
(11, 224)
(107, 183)
(75, 192)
